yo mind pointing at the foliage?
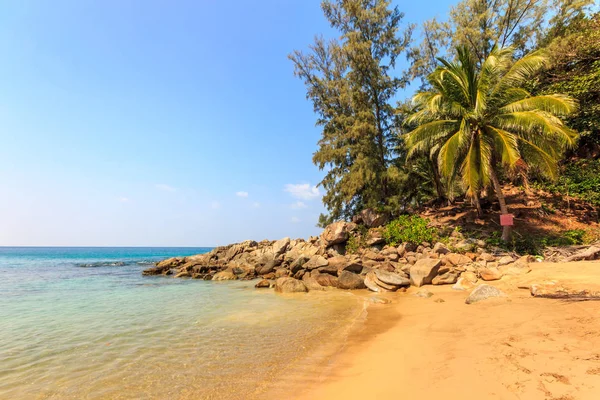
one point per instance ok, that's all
(580, 179)
(349, 83)
(575, 71)
(535, 245)
(408, 229)
(476, 120)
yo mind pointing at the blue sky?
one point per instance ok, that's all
(158, 123)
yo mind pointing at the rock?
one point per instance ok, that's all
(505, 260)
(393, 257)
(371, 255)
(183, 274)
(423, 272)
(391, 278)
(462, 284)
(457, 260)
(267, 268)
(375, 240)
(315, 262)
(469, 276)
(483, 292)
(423, 293)
(298, 264)
(281, 272)
(371, 284)
(440, 248)
(349, 280)
(448, 278)
(338, 232)
(290, 285)
(299, 274)
(325, 279)
(311, 283)
(514, 269)
(224, 276)
(411, 260)
(263, 284)
(490, 274)
(386, 286)
(465, 245)
(379, 300)
(438, 300)
(487, 257)
(372, 219)
(280, 246)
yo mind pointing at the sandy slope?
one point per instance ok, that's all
(515, 348)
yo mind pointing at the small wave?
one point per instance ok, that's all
(102, 264)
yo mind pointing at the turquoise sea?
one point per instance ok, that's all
(83, 323)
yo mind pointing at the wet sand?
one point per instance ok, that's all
(519, 347)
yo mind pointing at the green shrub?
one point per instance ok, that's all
(580, 179)
(409, 229)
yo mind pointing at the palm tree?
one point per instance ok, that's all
(478, 119)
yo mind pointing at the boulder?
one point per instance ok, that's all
(505, 260)
(423, 272)
(281, 272)
(371, 218)
(372, 255)
(463, 284)
(487, 257)
(226, 275)
(484, 292)
(263, 284)
(290, 285)
(280, 246)
(457, 260)
(183, 274)
(469, 276)
(514, 269)
(490, 274)
(338, 232)
(298, 264)
(448, 278)
(440, 248)
(325, 279)
(316, 262)
(371, 284)
(391, 278)
(349, 280)
(267, 268)
(311, 283)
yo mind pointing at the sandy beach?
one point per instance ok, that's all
(518, 347)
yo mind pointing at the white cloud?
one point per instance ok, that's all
(215, 205)
(302, 191)
(165, 188)
(256, 204)
(124, 199)
(298, 205)
(295, 220)
(241, 194)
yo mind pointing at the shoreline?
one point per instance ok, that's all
(514, 347)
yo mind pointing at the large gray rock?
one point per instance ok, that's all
(338, 232)
(440, 248)
(311, 283)
(391, 278)
(349, 280)
(371, 218)
(289, 285)
(424, 270)
(448, 278)
(371, 284)
(483, 292)
(325, 279)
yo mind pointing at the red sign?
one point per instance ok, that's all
(506, 220)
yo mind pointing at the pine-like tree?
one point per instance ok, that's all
(350, 84)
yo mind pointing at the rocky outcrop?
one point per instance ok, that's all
(424, 270)
(349, 280)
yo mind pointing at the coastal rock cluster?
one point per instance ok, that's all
(325, 262)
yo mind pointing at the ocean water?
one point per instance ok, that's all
(83, 323)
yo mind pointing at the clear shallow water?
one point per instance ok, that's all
(82, 323)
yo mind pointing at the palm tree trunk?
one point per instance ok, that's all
(506, 230)
(437, 181)
(478, 205)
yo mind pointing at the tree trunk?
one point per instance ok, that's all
(506, 230)
(439, 188)
(478, 205)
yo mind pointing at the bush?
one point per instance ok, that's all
(409, 229)
(580, 179)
